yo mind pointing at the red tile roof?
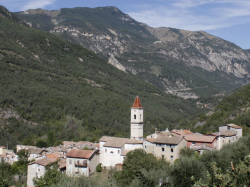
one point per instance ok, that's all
(234, 126)
(54, 155)
(181, 132)
(137, 103)
(75, 153)
(3, 147)
(44, 161)
(62, 163)
(199, 138)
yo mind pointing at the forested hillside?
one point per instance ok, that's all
(234, 108)
(54, 90)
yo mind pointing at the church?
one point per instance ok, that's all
(113, 150)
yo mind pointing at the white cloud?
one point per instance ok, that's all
(21, 5)
(195, 14)
(33, 4)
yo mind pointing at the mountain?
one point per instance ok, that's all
(53, 88)
(184, 63)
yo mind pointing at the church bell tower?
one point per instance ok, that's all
(136, 124)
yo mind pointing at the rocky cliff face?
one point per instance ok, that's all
(184, 63)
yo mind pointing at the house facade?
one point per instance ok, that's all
(165, 146)
(81, 162)
(194, 140)
(37, 169)
(113, 150)
(3, 150)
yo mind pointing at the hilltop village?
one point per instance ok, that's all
(82, 158)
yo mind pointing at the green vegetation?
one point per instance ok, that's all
(234, 108)
(135, 161)
(51, 177)
(63, 91)
(18, 169)
(98, 168)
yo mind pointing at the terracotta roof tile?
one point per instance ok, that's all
(44, 161)
(125, 152)
(3, 147)
(234, 126)
(150, 139)
(137, 103)
(75, 153)
(62, 163)
(181, 132)
(199, 138)
(118, 142)
(54, 155)
(223, 133)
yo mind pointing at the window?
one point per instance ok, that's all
(193, 143)
(134, 116)
(70, 161)
(111, 152)
(228, 128)
(172, 150)
(38, 170)
(162, 149)
(172, 158)
(105, 150)
(145, 147)
(118, 151)
(140, 116)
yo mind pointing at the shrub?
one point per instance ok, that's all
(99, 168)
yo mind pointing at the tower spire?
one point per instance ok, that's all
(137, 103)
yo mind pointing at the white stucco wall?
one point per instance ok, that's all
(136, 131)
(110, 156)
(33, 171)
(133, 146)
(139, 115)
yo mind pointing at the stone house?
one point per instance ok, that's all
(26, 147)
(194, 139)
(227, 134)
(165, 146)
(35, 153)
(3, 150)
(202, 148)
(232, 128)
(81, 162)
(37, 169)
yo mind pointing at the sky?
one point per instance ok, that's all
(227, 19)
